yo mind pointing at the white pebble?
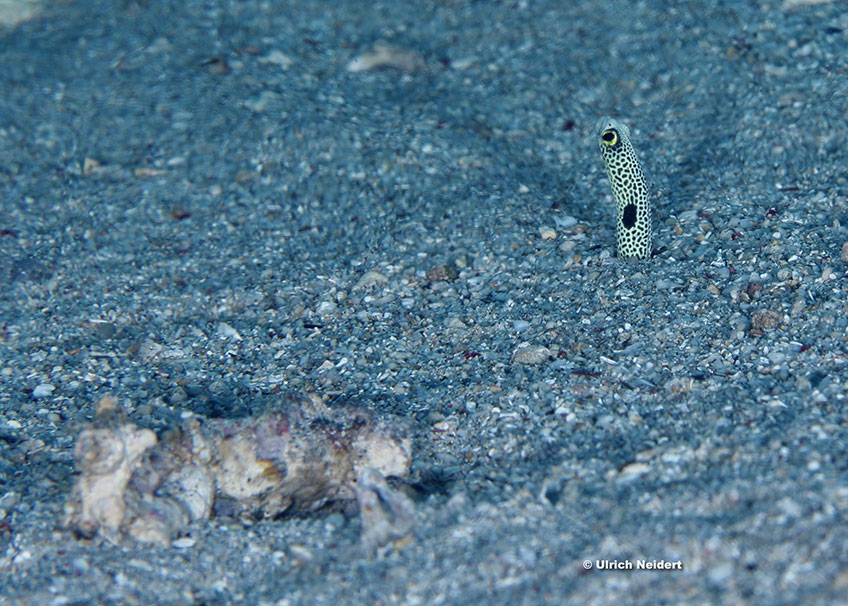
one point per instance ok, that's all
(43, 390)
(387, 57)
(531, 354)
(564, 221)
(633, 471)
(276, 57)
(228, 332)
(183, 542)
(547, 233)
(260, 103)
(370, 279)
(326, 308)
(720, 573)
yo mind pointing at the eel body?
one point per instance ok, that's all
(629, 188)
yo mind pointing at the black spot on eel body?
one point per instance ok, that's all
(629, 217)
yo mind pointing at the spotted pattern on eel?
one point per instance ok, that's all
(633, 207)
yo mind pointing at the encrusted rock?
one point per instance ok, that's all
(529, 354)
(297, 456)
(766, 320)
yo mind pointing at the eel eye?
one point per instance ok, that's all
(610, 137)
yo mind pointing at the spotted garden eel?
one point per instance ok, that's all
(633, 207)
